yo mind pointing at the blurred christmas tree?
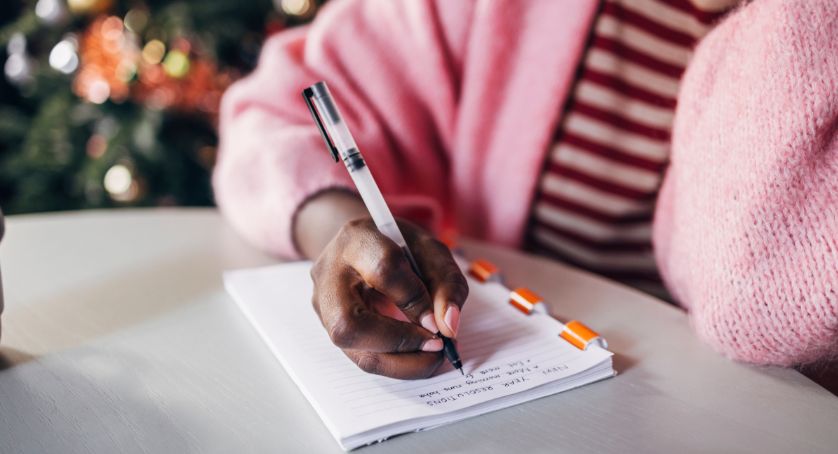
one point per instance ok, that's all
(115, 102)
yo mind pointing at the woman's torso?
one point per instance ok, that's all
(595, 198)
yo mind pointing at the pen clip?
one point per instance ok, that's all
(308, 93)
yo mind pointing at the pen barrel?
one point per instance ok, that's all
(376, 206)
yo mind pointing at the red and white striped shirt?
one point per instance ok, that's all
(595, 199)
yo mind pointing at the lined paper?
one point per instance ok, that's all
(504, 353)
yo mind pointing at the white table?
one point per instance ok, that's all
(125, 341)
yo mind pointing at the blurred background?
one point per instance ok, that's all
(107, 103)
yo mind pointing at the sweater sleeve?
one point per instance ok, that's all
(393, 68)
(746, 227)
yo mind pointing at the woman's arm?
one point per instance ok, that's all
(394, 69)
(746, 229)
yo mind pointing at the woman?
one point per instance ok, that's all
(546, 125)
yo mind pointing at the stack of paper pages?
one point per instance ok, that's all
(509, 358)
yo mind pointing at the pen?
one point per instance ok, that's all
(342, 146)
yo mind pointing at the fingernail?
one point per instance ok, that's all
(432, 345)
(427, 322)
(452, 318)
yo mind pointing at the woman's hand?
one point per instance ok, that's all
(377, 309)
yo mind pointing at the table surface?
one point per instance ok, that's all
(122, 339)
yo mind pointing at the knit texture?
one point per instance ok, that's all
(455, 116)
(451, 114)
(746, 228)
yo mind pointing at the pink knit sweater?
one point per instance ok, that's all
(454, 104)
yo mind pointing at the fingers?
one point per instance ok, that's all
(406, 366)
(352, 324)
(384, 267)
(445, 282)
(362, 274)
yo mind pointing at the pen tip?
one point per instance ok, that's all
(461, 372)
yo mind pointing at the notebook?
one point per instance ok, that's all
(509, 358)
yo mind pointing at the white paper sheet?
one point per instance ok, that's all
(508, 357)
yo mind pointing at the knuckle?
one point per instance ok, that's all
(434, 244)
(430, 245)
(411, 231)
(316, 270)
(356, 224)
(342, 334)
(389, 259)
(368, 362)
(348, 234)
(391, 254)
(349, 227)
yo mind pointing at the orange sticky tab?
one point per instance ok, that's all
(580, 335)
(524, 299)
(483, 270)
